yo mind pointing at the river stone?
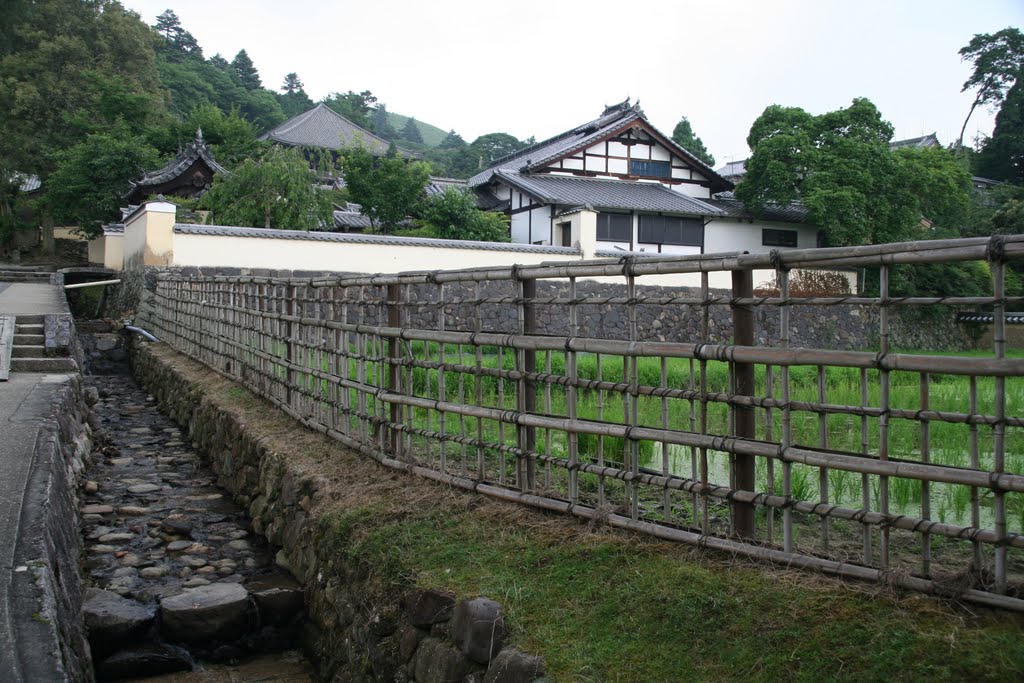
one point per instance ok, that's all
(279, 599)
(177, 546)
(214, 612)
(132, 511)
(512, 666)
(97, 509)
(115, 537)
(150, 660)
(478, 628)
(426, 607)
(153, 572)
(177, 524)
(114, 621)
(143, 488)
(438, 662)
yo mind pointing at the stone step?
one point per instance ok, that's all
(28, 351)
(30, 328)
(29, 320)
(29, 339)
(8, 276)
(61, 365)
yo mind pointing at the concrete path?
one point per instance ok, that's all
(29, 298)
(26, 408)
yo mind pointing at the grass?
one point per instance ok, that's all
(602, 605)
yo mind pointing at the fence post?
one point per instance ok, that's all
(394, 320)
(743, 383)
(528, 399)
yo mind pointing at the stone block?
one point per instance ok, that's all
(218, 611)
(426, 607)
(438, 662)
(113, 621)
(478, 628)
(513, 666)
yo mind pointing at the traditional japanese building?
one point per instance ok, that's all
(322, 128)
(188, 175)
(645, 193)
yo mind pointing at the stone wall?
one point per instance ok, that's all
(828, 327)
(47, 595)
(352, 634)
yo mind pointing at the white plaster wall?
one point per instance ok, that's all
(520, 227)
(113, 252)
(722, 235)
(260, 252)
(692, 190)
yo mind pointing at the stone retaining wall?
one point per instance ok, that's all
(421, 635)
(47, 593)
(827, 327)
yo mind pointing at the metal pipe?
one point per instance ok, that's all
(80, 285)
(139, 330)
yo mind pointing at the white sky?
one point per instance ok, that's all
(541, 67)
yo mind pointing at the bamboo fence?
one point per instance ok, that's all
(509, 414)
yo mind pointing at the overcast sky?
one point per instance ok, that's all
(542, 67)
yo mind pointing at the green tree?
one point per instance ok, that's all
(277, 191)
(840, 166)
(411, 132)
(452, 141)
(92, 177)
(997, 59)
(178, 43)
(231, 137)
(683, 136)
(491, 146)
(291, 83)
(388, 189)
(1002, 156)
(381, 122)
(453, 215)
(245, 71)
(355, 107)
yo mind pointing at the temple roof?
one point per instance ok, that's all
(322, 127)
(195, 151)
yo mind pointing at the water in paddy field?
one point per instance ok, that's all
(950, 503)
(156, 525)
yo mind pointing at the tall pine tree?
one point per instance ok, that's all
(245, 71)
(683, 136)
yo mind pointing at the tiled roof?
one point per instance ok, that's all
(734, 208)
(351, 220)
(733, 169)
(614, 118)
(357, 238)
(323, 127)
(437, 185)
(113, 229)
(30, 183)
(607, 194)
(916, 143)
(486, 201)
(196, 150)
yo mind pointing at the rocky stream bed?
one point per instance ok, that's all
(175, 579)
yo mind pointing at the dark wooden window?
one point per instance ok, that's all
(653, 169)
(778, 238)
(672, 230)
(614, 227)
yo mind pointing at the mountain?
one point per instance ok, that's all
(432, 135)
